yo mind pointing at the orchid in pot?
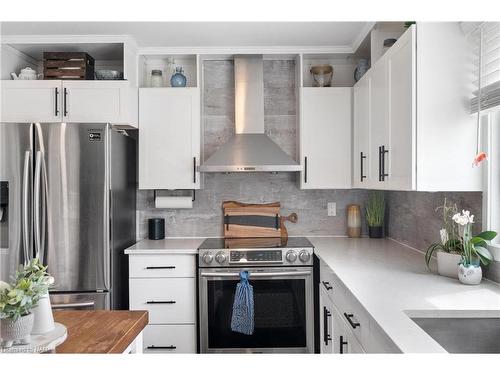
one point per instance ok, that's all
(475, 250)
(449, 250)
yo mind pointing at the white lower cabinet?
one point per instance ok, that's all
(170, 339)
(345, 326)
(165, 286)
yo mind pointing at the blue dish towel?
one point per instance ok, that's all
(242, 320)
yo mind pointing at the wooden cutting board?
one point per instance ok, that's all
(251, 220)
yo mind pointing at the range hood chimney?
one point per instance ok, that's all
(249, 150)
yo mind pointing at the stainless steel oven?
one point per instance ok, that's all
(282, 284)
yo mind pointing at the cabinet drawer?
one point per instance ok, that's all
(169, 339)
(169, 301)
(162, 266)
(330, 283)
(355, 317)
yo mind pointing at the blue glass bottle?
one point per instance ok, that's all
(178, 79)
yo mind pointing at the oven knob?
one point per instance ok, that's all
(220, 257)
(207, 258)
(291, 256)
(304, 256)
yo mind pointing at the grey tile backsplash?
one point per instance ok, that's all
(411, 216)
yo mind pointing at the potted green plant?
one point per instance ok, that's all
(375, 214)
(16, 303)
(475, 250)
(449, 251)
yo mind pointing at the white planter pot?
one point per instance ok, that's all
(16, 332)
(470, 275)
(448, 264)
(44, 320)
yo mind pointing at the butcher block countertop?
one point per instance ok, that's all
(100, 331)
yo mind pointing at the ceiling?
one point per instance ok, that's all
(205, 34)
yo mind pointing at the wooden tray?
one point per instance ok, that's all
(251, 220)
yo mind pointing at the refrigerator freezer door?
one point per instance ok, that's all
(72, 196)
(80, 301)
(16, 162)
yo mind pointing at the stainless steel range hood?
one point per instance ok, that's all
(250, 150)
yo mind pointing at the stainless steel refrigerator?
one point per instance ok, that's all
(68, 195)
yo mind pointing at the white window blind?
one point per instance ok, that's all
(486, 43)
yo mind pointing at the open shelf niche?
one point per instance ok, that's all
(167, 64)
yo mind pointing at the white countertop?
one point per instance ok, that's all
(392, 282)
(166, 246)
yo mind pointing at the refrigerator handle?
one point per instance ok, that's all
(44, 201)
(36, 202)
(25, 212)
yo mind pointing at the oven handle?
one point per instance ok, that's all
(255, 274)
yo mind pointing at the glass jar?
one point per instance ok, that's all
(156, 78)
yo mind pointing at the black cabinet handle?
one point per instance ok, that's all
(170, 347)
(305, 169)
(160, 302)
(326, 336)
(326, 284)
(65, 108)
(160, 267)
(194, 170)
(56, 101)
(361, 163)
(380, 163)
(353, 324)
(342, 343)
(383, 151)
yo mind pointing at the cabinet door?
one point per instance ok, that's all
(344, 341)
(169, 138)
(31, 101)
(326, 323)
(94, 101)
(362, 176)
(401, 156)
(379, 120)
(325, 138)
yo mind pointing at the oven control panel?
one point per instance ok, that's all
(272, 257)
(259, 256)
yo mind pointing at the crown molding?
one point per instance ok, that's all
(48, 39)
(362, 35)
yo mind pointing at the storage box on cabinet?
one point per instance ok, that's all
(170, 339)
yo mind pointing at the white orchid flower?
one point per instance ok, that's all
(464, 218)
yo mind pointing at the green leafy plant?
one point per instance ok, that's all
(375, 209)
(476, 247)
(450, 238)
(30, 284)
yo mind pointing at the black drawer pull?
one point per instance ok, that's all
(342, 343)
(353, 324)
(327, 286)
(326, 335)
(159, 302)
(160, 267)
(170, 347)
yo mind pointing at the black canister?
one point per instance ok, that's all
(156, 228)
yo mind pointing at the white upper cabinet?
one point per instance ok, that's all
(69, 101)
(31, 101)
(421, 134)
(325, 137)
(169, 138)
(362, 171)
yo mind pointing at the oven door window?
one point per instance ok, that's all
(280, 314)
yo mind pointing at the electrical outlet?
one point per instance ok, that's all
(332, 209)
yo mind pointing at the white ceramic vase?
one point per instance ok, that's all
(447, 264)
(470, 275)
(16, 332)
(44, 320)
